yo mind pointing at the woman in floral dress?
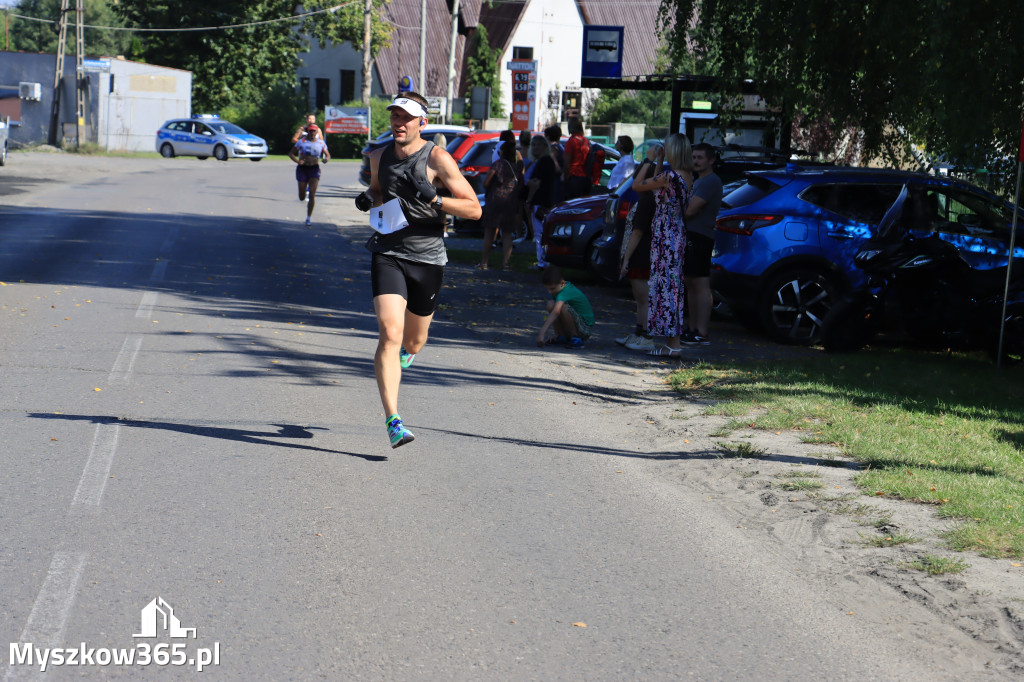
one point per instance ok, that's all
(672, 188)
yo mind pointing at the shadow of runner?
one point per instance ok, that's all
(569, 447)
(223, 433)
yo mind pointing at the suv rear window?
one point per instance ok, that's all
(454, 144)
(757, 188)
(863, 202)
(479, 154)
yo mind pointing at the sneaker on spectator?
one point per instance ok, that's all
(640, 343)
(639, 331)
(694, 339)
(575, 343)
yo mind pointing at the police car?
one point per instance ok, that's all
(208, 135)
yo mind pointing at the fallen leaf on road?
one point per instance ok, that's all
(97, 389)
(579, 625)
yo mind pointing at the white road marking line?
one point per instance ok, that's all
(122, 369)
(49, 616)
(159, 271)
(97, 466)
(172, 236)
(146, 306)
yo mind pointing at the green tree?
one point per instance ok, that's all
(229, 65)
(41, 36)
(346, 24)
(234, 66)
(482, 69)
(652, 107)
(949, 75)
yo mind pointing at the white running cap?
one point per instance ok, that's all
(409, 105)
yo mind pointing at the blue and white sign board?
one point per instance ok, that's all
(602, 52)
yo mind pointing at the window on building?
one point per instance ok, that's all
(323, 93)
(304, 88)
(348, 86)
(522, 52)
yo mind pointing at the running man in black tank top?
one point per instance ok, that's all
(408, 265)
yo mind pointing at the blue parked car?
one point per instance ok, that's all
(785, 241)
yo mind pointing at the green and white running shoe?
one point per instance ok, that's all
(405, 358)
(397, 432)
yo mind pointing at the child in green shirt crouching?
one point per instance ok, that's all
(569, 312)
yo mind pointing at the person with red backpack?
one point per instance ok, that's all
(577, 149)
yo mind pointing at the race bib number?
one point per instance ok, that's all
(388, 218)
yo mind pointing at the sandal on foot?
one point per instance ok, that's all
(480, 266)
(665, 352)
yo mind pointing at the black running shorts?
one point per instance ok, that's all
(307, 173)
(697, 259)
(418, 283)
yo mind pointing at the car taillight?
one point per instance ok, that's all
(475, 170)
(624, 207)
(745, 224)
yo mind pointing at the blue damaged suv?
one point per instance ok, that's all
(785, 241)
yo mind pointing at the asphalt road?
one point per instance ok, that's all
(189, 413)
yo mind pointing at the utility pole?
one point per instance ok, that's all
(367, 14)
(58, 74)
(79, 71)
(451, 58)
(421, 87)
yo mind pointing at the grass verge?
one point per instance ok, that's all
(930, 427)
(937, 565)
(519, 262)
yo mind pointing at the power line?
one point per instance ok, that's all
(294, 17)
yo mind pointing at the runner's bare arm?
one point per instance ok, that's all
(294, 154)
(374, 190)
(463, 202)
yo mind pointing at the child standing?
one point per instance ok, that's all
(569, 312)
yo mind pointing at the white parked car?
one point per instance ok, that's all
(208, 135)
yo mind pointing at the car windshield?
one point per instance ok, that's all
(755, 189)
(479, 154)
(226, 128)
